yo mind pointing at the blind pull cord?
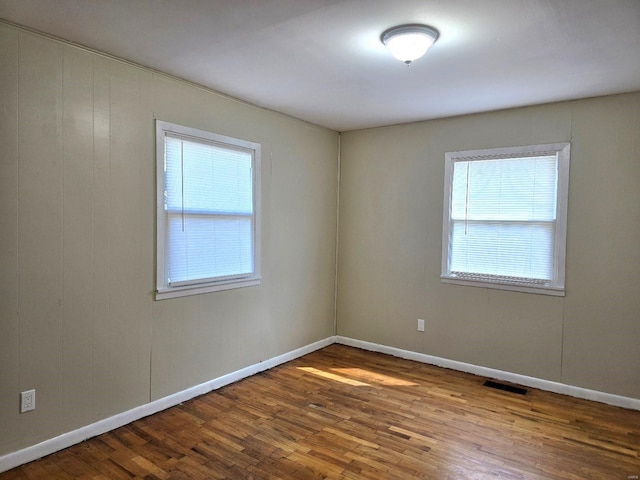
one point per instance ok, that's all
(466, 202)
(182, 183)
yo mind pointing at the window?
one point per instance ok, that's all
(208, 211)
(504, 221)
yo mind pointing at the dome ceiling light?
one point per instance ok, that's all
(409, 42)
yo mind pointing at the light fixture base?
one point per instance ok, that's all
(410, 41)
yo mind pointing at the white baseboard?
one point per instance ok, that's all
(573, 391)
(47, 447)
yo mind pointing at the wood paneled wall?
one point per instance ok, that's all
(391, 205)
(78, 321)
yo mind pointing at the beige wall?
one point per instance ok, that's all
(77, 206)
(391, 195)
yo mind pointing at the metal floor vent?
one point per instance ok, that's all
(506, 388)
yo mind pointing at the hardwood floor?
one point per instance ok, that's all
(345, 413)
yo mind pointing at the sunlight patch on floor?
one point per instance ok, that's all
(333, 376)
(374, 377)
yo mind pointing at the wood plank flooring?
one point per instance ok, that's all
(343, 413)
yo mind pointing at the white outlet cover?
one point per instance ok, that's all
(27, 401)
(420, 325)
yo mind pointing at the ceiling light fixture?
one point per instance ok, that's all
(409, 42)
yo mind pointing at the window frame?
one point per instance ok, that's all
(195, 287)
(556, 286)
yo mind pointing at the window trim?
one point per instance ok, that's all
(164, 291)
(557, 286)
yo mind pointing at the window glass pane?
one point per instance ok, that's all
(518, 189)
(217, 179)
(207, 178)
(208, 247)
(503, 249)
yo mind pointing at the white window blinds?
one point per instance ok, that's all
(207, 223)
(209, 206)
(502, 220)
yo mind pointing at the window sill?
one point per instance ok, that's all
(553, 291)
(184, 291)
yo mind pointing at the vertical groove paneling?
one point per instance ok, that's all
(144, 129)
(164, 354)
(101, 183)
(78, 237)
(40, 250)
(8, 239)
(124, 234)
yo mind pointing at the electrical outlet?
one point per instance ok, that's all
(420, 325)
(27, 401)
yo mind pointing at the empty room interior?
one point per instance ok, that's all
(253, 239)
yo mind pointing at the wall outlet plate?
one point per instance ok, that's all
(420, 325)
(27, 401)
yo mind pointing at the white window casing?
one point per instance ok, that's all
(208, 211)
(505, 218)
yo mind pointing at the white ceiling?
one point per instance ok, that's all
(322, 60)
